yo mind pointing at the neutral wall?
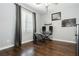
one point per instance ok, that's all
(67, 11)
(7, 25)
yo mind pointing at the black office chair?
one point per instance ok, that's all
(44, 33)
(43, 29)
(38, 38)
(51, 29)
(47, 34)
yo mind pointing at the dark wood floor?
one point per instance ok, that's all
(50, 48)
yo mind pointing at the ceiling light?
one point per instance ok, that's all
(42, 4)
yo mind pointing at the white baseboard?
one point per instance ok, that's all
(6, 47)
(26, 41)
(32, 40)
(64, 40)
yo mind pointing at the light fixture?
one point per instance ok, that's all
(42, 4)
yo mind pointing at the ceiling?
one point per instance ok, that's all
(40, 7)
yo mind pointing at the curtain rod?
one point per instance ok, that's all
(23, 7)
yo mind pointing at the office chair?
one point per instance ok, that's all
(50, 29)
(38, 38)
(44, 33)
(43, 29)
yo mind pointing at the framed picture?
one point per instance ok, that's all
(56, 16)
(69, 22)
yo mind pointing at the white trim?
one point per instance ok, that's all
(6, 47)
(26, 41)
(64, 40)
(32, 40)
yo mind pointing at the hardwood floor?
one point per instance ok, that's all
(49, 48)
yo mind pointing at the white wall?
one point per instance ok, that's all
(67, 11)
(7, 25)
(38, 23)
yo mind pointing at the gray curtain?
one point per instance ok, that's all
(18, 26)
(34, 28)
(77, 39)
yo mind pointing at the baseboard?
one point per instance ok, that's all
(32, 40)
(64, 40)
(26, 41)
(6, 47)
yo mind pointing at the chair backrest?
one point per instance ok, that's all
(43, 29)
(50, 29)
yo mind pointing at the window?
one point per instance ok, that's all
(27, 20)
